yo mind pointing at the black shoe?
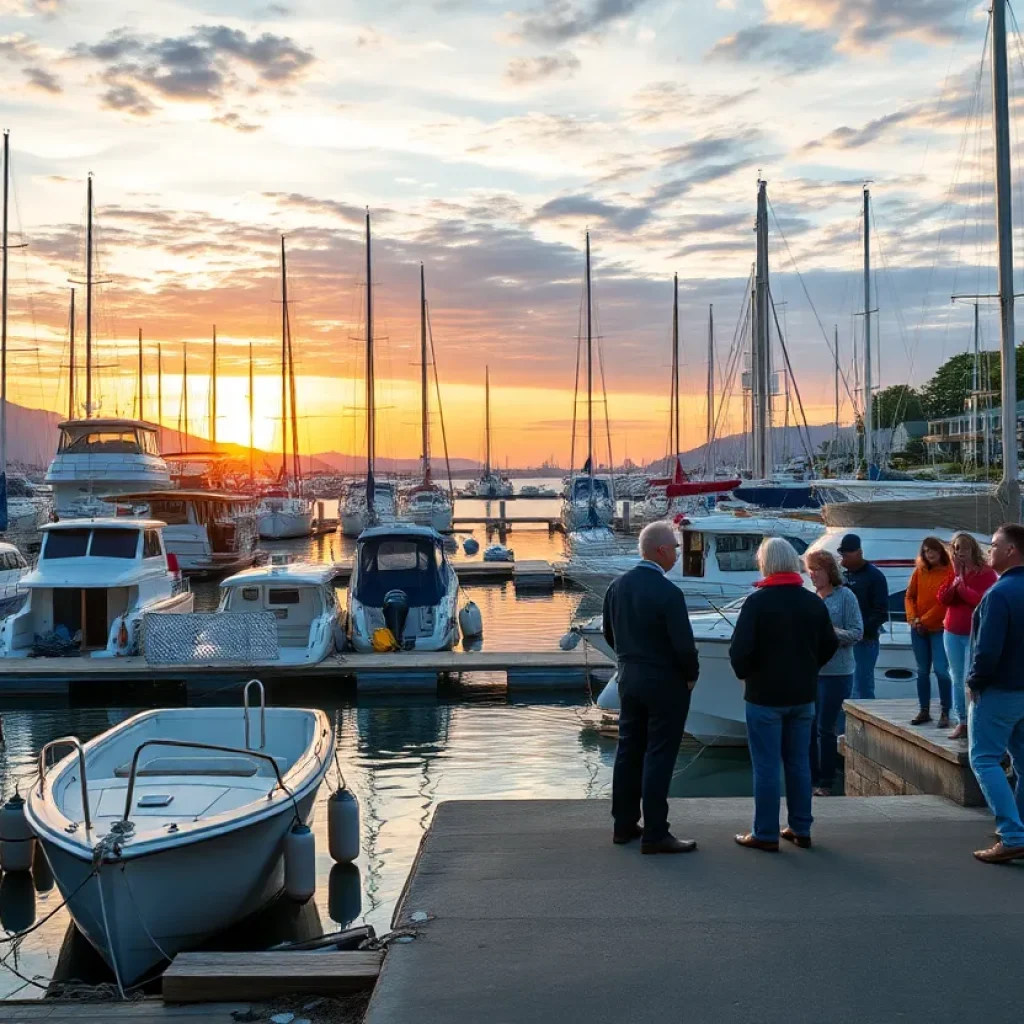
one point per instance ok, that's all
(669, 845)
(621, 838)
(923, 716)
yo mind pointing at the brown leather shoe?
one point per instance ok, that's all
(923, 716)
(943, 722)
(804, 842)
(621, 838)
(751, 841)
(669, 845)
(1000, 854)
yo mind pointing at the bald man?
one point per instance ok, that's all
(647, 625)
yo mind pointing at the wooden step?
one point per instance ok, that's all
(213, 977)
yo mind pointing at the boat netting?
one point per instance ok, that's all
(200, 637)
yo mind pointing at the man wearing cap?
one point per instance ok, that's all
(870, 588)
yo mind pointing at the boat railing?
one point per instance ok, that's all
(193, 745)
(181, 585)
(75, 742)
(263, 713)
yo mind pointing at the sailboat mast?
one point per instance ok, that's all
(88, 299)
(71, 358)
(590, 376)
(710, 426)
(296, 462)
(252, 417)
(141, 409)
(284, 363)
(1004, 234)
(424, 408)
(160, 392)
(213, 392)
(677, 447)
(760, 382)
(487, 421)
(869, 425)
(371, 412)
(3, 328)
(184, 392)
(835, 376)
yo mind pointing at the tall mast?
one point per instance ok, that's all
(296, 462)
(487, 421)
(252, 417)
(590, 378)
(184, 392)
(160, 392)
(835, 375)
(424, 408)
(1010, 485)
(869, 424)
(284, 364)
(88, 299)
(3, 333)
(141, 409)
(371, 412)
(975, 388)
(760, 381)
(213, 392)
(71, 358)
(676, 446)
(710, 427)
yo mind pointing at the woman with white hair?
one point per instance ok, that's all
(783, 637)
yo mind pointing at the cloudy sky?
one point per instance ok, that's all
(486, 136)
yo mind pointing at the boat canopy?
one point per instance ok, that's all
(411, 563)
(581, 488)
(108, 437)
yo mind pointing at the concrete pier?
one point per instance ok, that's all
(536, 916)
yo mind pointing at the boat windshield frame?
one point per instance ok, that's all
(422, 582)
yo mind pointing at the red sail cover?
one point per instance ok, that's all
(678, 477)
(683, 490)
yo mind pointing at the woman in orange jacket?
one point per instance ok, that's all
(925, 613)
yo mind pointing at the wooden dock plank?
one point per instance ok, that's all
(69, 1011)
(209, 977)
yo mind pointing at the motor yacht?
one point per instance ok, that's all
(402, 581)
(94, 582)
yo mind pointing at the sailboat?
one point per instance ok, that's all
(427, 503)
(491, 484)
(285, 511)
(373, 502)
(589, 506)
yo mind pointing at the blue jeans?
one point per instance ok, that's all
(930, 654)
(996, 726)
(832, 691)
(958, 650)
(774, 735)
(865, 657)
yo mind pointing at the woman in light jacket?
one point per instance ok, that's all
(835, 678)
(960, 595)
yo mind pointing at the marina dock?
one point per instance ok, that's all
(536, 916)
(473, 572)
(401, 672)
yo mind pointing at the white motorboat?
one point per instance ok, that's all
(207, 531)
(717, 716)
(302, 599)
(590, 502)
(100, 457)
(280, 516)
(94, 582)
(429, 505)
(171, 826)
(13, 568)
(403, 567)
(356, 517)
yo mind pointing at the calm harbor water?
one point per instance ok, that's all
(401, 756)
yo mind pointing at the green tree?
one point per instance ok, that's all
(948, 392)
(896, 405)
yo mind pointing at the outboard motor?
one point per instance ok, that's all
(396, 611)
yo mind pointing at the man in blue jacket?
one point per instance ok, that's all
(995, 718)
(647, 625)
(871, 589)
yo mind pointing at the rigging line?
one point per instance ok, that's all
(736, 353)
(808, 450)
(440, 409)
(576, 384)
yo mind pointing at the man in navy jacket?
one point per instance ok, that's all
(995, 718)
(647, 625)
(871, 589)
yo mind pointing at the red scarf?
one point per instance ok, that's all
(781, 579)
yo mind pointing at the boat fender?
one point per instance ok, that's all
(343, 826)
(299, 863)
(344, 894)
(570, 641)
(470, 620)
(16, 838)
(471, 545)
(122, 636)
(609, 697)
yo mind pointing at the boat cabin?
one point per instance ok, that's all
(411, 561)
(581, 489)
(108, 437)
(722, 546)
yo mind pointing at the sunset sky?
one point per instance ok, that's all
(486, 136)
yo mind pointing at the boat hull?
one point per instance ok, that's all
(285, 525)
(134, 891)
(580, 515)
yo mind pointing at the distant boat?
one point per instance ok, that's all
(491, 484)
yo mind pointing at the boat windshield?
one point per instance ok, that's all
(581, 488)
(108, 441)
(412, 564)
(105, 543)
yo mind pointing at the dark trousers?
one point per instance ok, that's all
(832, 691)
(649, 738)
